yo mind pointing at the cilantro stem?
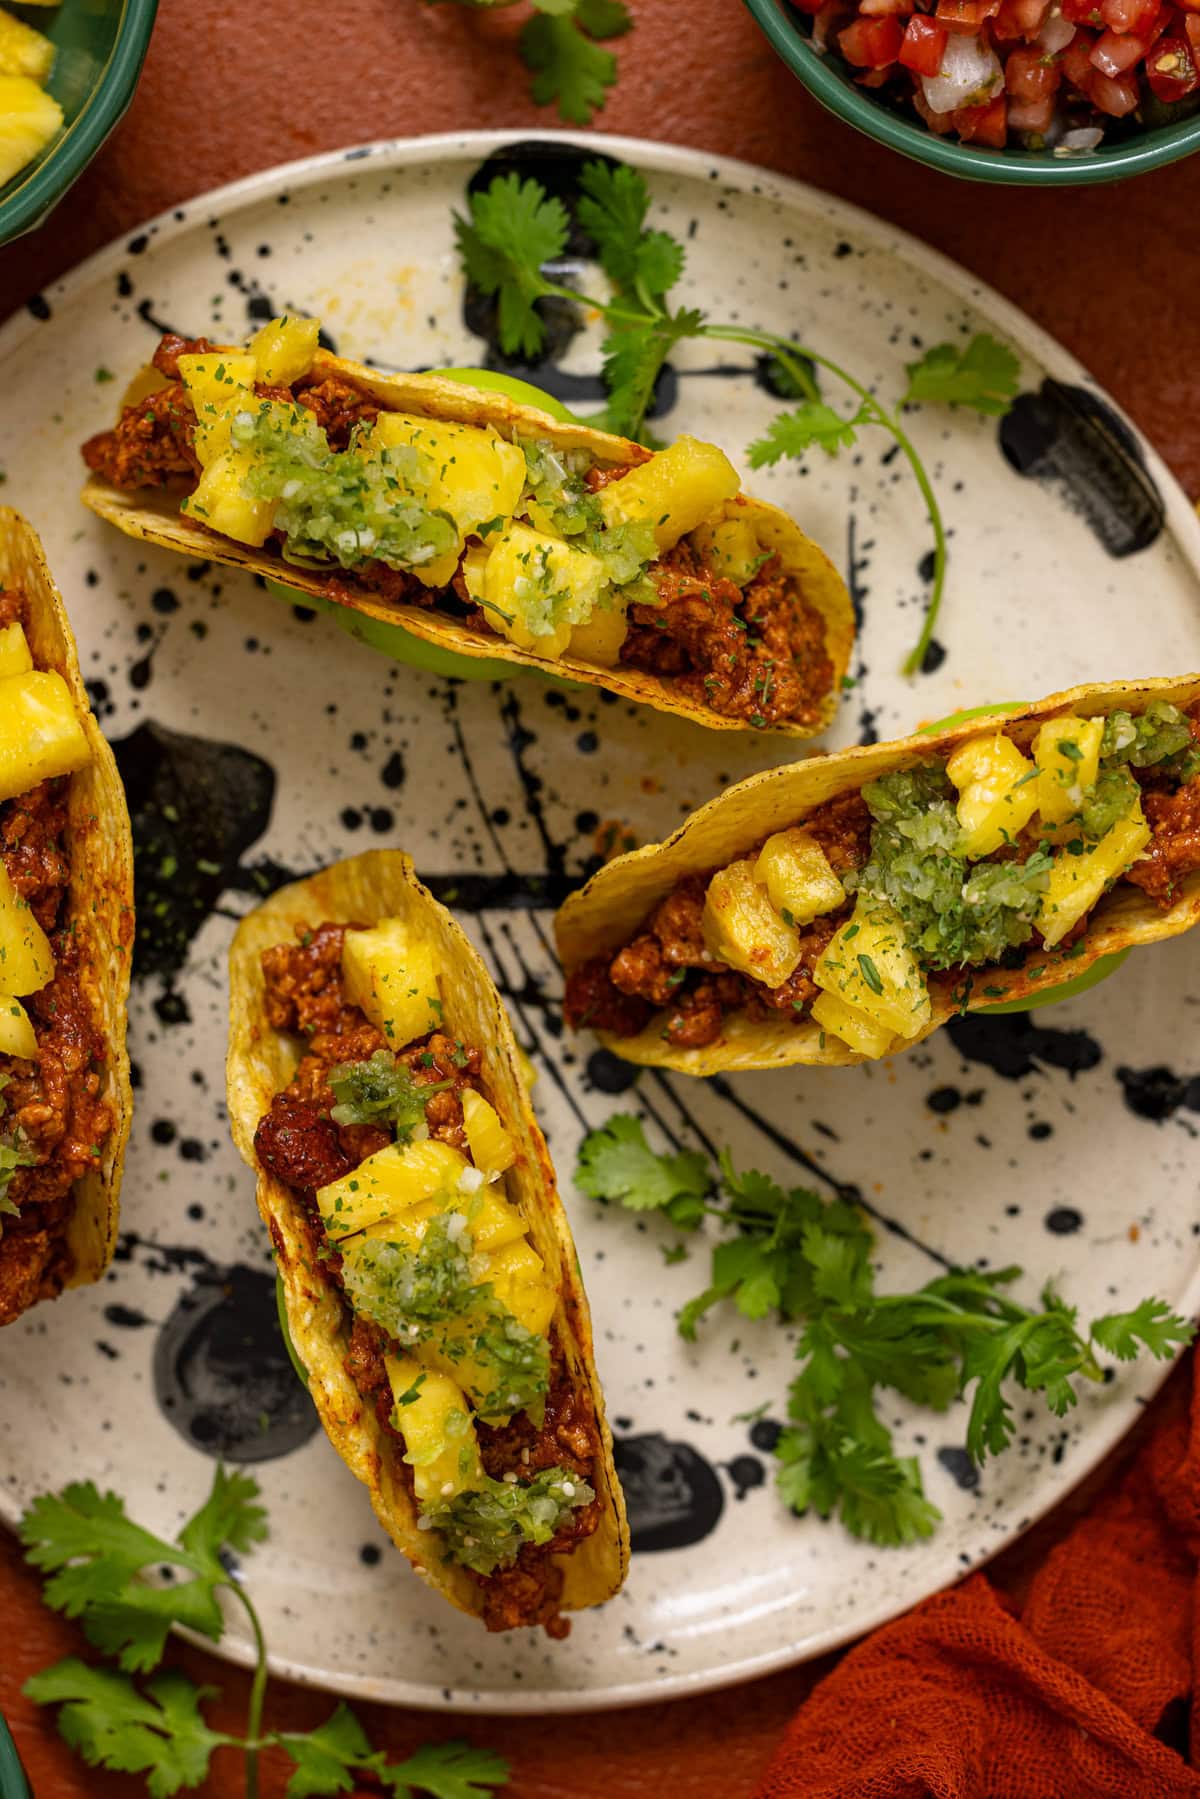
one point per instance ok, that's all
(879, 414)
(258, 1691)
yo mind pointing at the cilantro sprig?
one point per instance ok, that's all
(806, 1260)
(512, 230)
(562, 46)
(98, 1561)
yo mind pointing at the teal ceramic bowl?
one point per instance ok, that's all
(831, 81)
(101, 45)
(13, 1784)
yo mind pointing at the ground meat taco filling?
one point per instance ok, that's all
(523, 541)
(505, 1480)
(939, 871)
(54, 1122)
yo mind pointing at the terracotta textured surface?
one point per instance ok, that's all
(230, 87)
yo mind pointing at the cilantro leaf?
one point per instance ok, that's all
(616, 1162)
(633, 356)
(603, 18)
(451, 1770)
(568, 66)
(1151, 1324)
(612, 209)
(513, 228)
(985, 376)
(97, 1555)
(106, 1720)
(795, 432)
(326, 1757)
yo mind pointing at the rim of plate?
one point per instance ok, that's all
(1040, 347)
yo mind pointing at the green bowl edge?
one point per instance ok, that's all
(1014, 168)
(13, 1784)
(105, 107)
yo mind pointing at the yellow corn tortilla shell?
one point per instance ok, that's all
(364, 890)
(99, 898)
(153, 516)
(605, 914)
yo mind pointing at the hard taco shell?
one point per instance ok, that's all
(153, 516)
(100, 895)
(607, 912)
(364, 890)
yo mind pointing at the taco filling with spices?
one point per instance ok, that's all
(54, 1118)
(558, 541)
(397, 1159)
(929, 876)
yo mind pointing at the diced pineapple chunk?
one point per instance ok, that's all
(474, 475)
(219, 383)
(851, 1025)
(40, 733)
(517, 1276)
(599, 638)
(15, 658)
(29, 120)
(797, 875)
(1067, 753)
(742, 928)
(673, 492)
(16, 1033)
(283, 350)
(997, 791)
(393, 979)
(492, 1221)
(388, 1182)
(407, 1227)
(220, 503)
(535, 589)
(26, 959)
(730, 547)
(24, 51)
(431, 1415)
(1078, 881)
(868, 964)
(491, 1147)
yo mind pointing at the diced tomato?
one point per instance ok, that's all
(1113, 53)
(879, 9)
(1137, 16)
(923, 45)
(1081, 12)
(1116, 97)
(1031, 115)
(1191, 26)
(871, 43)
(983, 124)
(1171, 68)
(1019, 19)
(1030, 76)
(1077, 61)
(965, 16)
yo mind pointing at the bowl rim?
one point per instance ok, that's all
(101, 111)
(1154, 150)
(13, 1782)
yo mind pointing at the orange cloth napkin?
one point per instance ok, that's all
(1082, 1693)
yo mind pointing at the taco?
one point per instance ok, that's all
(483, 526)
(430, 1284)
(66, 933)
(842, 908)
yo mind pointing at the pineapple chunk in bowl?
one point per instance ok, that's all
(52, 121)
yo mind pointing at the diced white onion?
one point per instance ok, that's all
(447, 1488)
(420, 1132)
(1056, 33)
(471, 1180)
(424, 1524)
(1084, 137)
(511, 1479)
(970, 75)
(456, 1224)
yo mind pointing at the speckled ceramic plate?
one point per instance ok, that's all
(256, 742)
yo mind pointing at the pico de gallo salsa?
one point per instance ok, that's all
(1039, 74)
